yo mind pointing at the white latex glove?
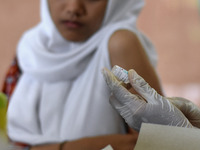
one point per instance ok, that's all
(189, 109)
(148, 107)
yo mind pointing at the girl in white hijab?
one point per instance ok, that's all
(61, 95)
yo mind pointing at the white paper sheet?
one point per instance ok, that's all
(160, 137)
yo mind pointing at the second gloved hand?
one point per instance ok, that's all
(147, 107)
(189, 109)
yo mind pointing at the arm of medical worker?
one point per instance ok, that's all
(147, 107)
(117, 141)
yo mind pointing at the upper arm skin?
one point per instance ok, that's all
(126, 51)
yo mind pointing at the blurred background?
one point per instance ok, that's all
(173, 27)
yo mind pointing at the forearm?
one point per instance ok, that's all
(46, 147)
(117, 141)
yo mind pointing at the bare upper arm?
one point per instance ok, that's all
(126, 50)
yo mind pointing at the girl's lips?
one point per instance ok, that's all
(72, 24)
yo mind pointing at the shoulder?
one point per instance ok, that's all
(122, 39)
(126, 49)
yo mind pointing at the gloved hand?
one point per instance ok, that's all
(189, 109)
(148, 107)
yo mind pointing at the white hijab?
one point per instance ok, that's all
(46, 57)
(50, 55)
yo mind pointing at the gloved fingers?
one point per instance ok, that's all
(120, 92)
(114, 102)
(110, 79)
(115, 86)
(142, 87)
(133, 102)
(129, 111)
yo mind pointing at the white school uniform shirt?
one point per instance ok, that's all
(61, 94)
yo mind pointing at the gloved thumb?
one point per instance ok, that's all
(142, 87)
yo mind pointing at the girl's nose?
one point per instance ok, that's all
(75, 8)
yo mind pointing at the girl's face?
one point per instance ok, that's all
(77, 20)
